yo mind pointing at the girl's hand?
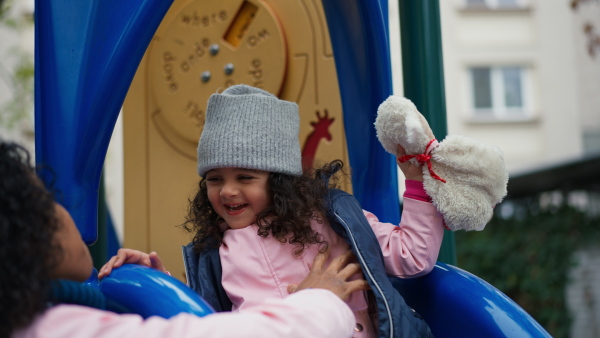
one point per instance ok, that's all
(130, 256)
(410, 170)
(334, 278)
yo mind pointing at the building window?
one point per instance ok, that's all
(499, 92)
(495, 4)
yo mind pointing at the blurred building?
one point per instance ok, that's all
(524, 75)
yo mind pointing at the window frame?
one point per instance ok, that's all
(499, 111)
(494, 5)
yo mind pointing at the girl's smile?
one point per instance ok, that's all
(238, 195)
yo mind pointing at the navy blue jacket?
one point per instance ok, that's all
(394, 317)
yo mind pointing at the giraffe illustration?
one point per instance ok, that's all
(320, 131)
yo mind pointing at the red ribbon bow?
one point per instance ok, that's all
(424, 158)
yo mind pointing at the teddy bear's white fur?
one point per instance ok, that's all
(475, 172)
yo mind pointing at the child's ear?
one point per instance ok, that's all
(75, 261)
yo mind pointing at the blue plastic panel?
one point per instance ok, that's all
(359, 39)
(86, 54)
(456, 303)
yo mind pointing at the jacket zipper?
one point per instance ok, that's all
(387, 306)
(185, 266)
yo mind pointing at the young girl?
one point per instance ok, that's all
(39, 243)
(259, 221)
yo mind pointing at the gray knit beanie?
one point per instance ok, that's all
(249, 128)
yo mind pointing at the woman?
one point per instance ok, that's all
(39, 242)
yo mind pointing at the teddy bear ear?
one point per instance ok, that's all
(398, 122)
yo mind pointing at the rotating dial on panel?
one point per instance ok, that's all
(207, 47)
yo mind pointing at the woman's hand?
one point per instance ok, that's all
(410, 170)
(334, 278)
(130, 256)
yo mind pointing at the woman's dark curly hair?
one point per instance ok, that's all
(296, 200)
(28, 251)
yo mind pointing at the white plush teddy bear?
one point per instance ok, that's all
(465, 178)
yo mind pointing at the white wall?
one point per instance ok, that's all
(113, 178)
(540, 37)
(583, 294)
(588, 73)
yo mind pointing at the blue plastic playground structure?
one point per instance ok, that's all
(87, 53)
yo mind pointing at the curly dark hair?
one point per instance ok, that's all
(28, 251)
(296, 200)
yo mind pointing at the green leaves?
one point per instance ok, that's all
(21, 81)
(16, 68)
(529, 257)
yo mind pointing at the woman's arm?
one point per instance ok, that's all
(311, 313)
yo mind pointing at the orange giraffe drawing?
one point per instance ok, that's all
(320, 130)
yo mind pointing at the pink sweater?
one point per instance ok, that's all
(257, 268)
(296, 317)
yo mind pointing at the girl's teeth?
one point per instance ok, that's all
(235, 207)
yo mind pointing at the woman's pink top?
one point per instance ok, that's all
(257, 268)
(296, 316)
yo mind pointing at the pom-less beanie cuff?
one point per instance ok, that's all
(249, 128)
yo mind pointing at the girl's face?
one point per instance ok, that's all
(238, 195)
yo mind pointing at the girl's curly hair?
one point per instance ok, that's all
(28, 251)
(296, 200)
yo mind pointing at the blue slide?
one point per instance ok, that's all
(87, 53)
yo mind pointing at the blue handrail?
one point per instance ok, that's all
(456, 303)
(149, 292)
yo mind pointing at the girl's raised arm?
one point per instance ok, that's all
(411, 249)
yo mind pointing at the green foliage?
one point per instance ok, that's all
(3, 8)
(15, 23)
(19, 77)
(21, 104)
(528, 258)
